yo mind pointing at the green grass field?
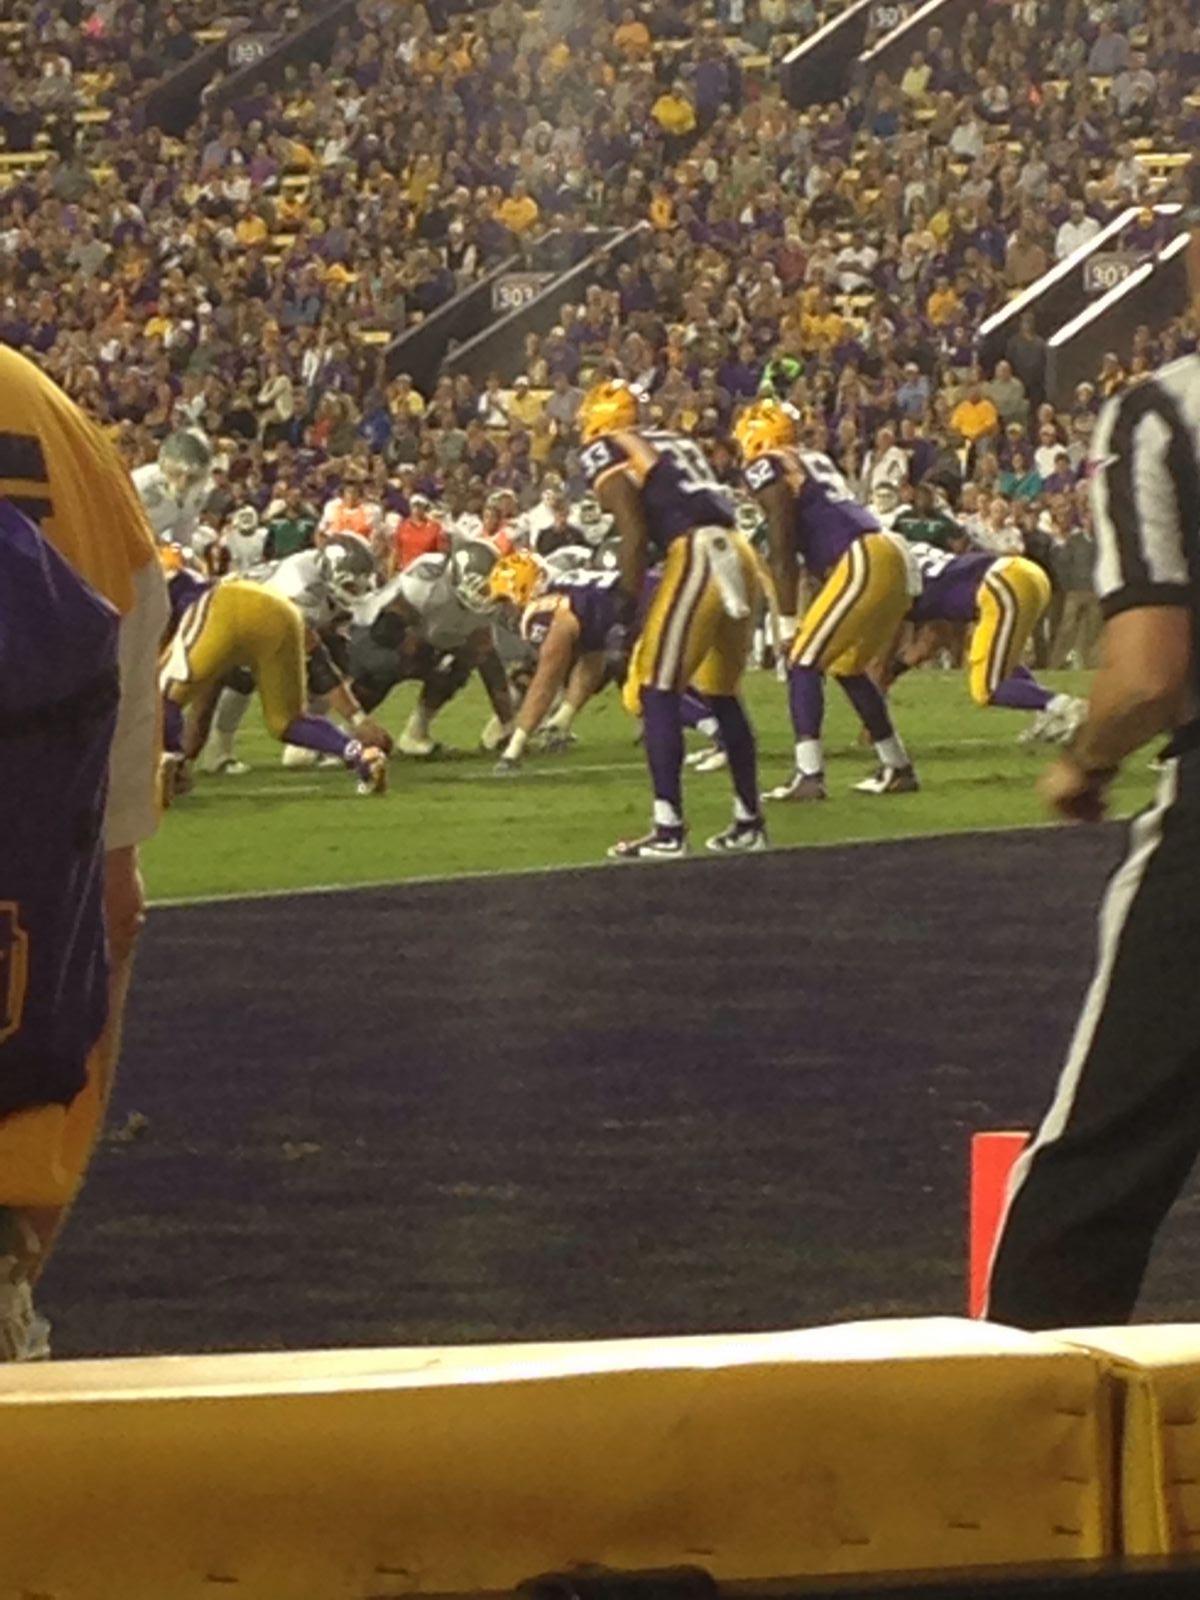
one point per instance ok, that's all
(278, 829)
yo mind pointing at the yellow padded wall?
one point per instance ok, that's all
(1157, 1374)
(864, 1447)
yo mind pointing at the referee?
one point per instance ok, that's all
(1123, 1130)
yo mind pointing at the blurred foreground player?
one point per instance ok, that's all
(1123, 1131)
(80, 593)
(697, 629)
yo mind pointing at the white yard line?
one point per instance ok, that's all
(587, 866)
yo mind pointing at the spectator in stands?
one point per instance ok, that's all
(1110, 52)
(975, 417)
(1007, 394)
(418, 534)
(1025, 353)
(1079, 229)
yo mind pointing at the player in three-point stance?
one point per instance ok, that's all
(218, 626)
(868, 582)
(696, 630)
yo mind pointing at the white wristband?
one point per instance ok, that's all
(516, 745)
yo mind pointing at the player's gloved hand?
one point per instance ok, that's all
(506, 767)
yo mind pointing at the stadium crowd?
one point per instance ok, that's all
(247, 280)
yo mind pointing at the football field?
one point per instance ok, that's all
(714, 1095)
(279, 829)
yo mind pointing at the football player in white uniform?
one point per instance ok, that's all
(432, 622)
(174, 489)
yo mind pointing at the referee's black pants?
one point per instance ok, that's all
(1123, 1131)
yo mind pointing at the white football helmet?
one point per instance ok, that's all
(185, 460)
(348, 567)
(470, 569)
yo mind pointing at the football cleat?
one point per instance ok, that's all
(889, 780)
(229, 767)
(660, 844)
(411, 744)
(506, 767)
(803, 786)
(740, 837)
(714, 760)
(24, 1335)
(372, 768)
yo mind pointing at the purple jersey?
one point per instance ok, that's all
(594, 599)
(951, 584)
(184, 588)
(59, 688)
(679, 488)
(828, 519)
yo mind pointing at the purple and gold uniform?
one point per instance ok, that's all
(217, 626)
(59, 693)
(1005, 597)
(679, 490)
(863, 570)
(594, 599)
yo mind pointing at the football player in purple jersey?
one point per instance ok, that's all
(696, 631)
(567, 620)
(1003, 598)
(867, 585)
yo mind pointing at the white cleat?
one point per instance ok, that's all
(889, 780)
(803, 786)
(24, 1335)
(229, 767)
(740, 838)
(411, 744)
(660, 844)
(714, 760)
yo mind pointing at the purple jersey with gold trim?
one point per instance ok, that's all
(679, 488)
(184, 588)
(59, 692)
(827, 517)
(594, 599)
(951, 584)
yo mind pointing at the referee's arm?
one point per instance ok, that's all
(1145, 508)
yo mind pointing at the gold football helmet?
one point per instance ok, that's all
(764, 425)
(612, 403)
(517, 578)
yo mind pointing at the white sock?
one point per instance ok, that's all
(810, 760)
(666, 816)
(742, 812)
(891, 752)
(562, 718)
(708, 726)
(417, 726)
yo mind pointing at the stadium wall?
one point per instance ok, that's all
(892, 52)
(500, 346)
(865, 1448)
(311, 41)
(1153, 294)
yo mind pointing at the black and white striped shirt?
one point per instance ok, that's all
(1146, 492)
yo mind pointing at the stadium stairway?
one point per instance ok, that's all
(499, 346)
(1061, 294)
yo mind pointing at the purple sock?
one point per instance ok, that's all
(737, 737)
(869, 705)
(806, 696)
(172, 727)
(696, 712)
(664, 748)
(317, 733)
(1021, 691)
